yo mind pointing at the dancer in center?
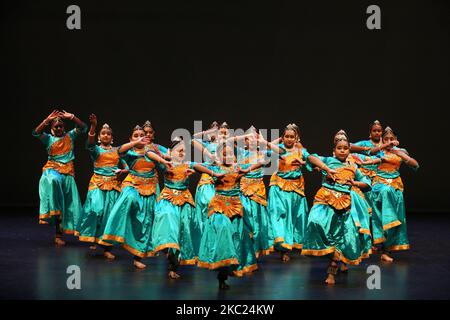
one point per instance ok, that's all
(287, 202)
(175, 229)
(131, 219)
(226, 245)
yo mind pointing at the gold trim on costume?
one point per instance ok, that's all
(264, 252)
(205, 179)
(218, 264)
(337, 254)
(280, 241)
(395, 183)
(245, 270)
(228, 205)
(296, 185)
(189, 262)
(391, 225)
(399, 247)
(177, 197)
(63, 168)
(135, 252)
(254, 189)
(51, 213)
(335, 199)
(113, 238)
(106, 183)
(379, 240)
(145, 186)
(62, 146)
(167, 245)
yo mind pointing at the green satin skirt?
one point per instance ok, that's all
(360, 212)
(261, 226)
(389, 218)
(131, 220)
(176, 227)
(227, 243)
(203, 196)
(59, 201)
(289, 213)
(96, 211)
(330, 231)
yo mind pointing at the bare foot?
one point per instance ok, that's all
(386, 258)
(330, 279)
(59, 242)
(108, 255)
(93, 247)
(285, 257)
(138, 264)
(173, 275)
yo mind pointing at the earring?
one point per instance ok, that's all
(112, 141)
(98, 140)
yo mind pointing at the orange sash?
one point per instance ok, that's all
(63, 168)
(336, 199)
(145, 186)
(229, 206)
(106, 183)
(177, 197)
(296, 185)
(254, 189)
(395, 183)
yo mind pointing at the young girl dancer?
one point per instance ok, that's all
(331, 229)
(389, 220)
(287, 203)
(253, 191)
(226, 245)
(131, 218)
(104, 186)
(207, 144)
(60, 203)
(175, 228)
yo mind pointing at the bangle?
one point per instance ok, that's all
(91, 135)
(73, 116)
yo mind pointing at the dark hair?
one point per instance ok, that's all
(339, 140)
(147, 124)
(388, 130)
(293, 127)
(214, 124)
(176, 141)
(375, 123)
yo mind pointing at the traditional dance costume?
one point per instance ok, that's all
(205, 188)
(175, 226)
(226, 238)
(104, 189)
(131, 220)
(389, 220)
(59, 199)
(287, 203)
(331, 227)
(254, 200)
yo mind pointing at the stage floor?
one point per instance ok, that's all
(31, 267)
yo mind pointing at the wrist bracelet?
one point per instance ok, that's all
(91, 135)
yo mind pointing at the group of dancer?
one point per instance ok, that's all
(231, 222)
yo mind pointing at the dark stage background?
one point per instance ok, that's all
(261, 63)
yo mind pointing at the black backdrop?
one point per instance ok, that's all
(263, 63)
